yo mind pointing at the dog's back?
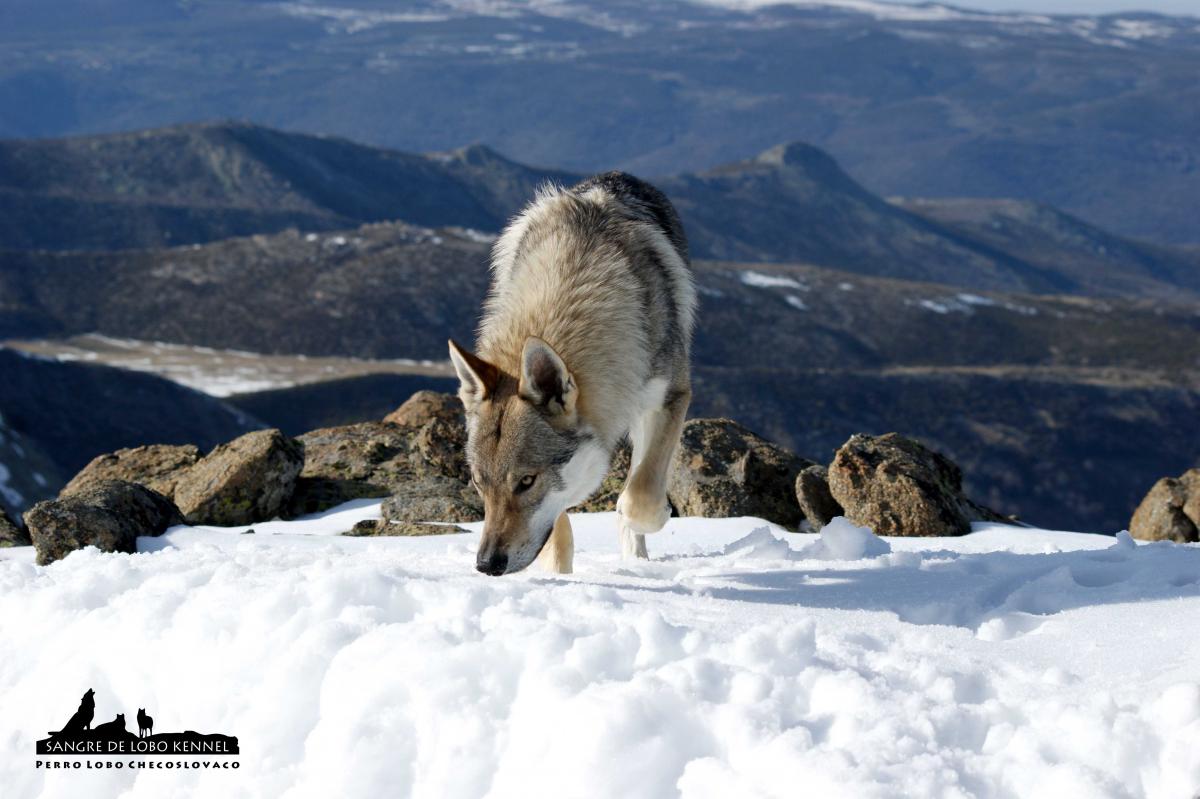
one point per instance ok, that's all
(600, 270)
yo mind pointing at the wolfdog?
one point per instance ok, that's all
(584, 341)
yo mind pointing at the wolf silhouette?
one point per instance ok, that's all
(145, 723)
(113, 727)
(82, 720)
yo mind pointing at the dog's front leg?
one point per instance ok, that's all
(642, 506)
(558, 555)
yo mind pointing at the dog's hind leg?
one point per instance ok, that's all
(558, 555)
(643, 507)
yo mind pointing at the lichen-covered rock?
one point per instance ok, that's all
(897, 486)
(433, 499)
(157, 467)
(723, 469)
(247, 480)
(383, 527)
(1170, 511)
(11, 534)
(816, 501)
(424, 407)
(605, 498)
(424, 438)
(109, 515)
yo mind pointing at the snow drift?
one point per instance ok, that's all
(742, 661)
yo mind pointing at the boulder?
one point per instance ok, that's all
(1170, 511)
(247, 480)
(424, 438)
(157, 467)
(382, 527)
(723, 469)
(426, 406)
(11, 534)
(896, 486)
(439, 427)
(434, 499)
(815, 499)
(109, 515)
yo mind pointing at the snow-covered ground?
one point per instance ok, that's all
(741, 661)
(219, 373)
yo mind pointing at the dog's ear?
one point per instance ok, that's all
(545, 379)
(476, 377)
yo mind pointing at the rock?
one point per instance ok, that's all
(812, 493)
(382, 527)
(424, 437)
(605, 498)
(1170, 511)
(434, 499)
(157, 467)
(896, 486)
(723, 469)
(440, 427)
(426, 406)
(247, 480)
(109, 515)
(11, 534)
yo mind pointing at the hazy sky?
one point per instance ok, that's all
(1084, 6)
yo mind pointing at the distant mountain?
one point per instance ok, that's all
(793, 203)
(397, 291)
(1092, 114)
(55, 417)
(1094, 261)
(200, 183)
(195, 184)
(27, 472)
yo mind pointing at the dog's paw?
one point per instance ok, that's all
(642, 516)
(633, 544)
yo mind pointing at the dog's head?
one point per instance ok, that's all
(531, 457)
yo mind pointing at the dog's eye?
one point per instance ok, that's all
(525, 483)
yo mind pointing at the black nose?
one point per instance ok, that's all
(493, 563)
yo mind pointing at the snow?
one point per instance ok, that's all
(892, 11)
(352, 20)
(762, 280)
(740, 661)
(966, 304)
(218, 372)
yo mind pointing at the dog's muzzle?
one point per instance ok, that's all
(493, 562)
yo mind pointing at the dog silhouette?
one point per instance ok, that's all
(82, 720)
(112, 728)
(145, 723)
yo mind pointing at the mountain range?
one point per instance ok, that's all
(1090, 114)
(792, 202)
